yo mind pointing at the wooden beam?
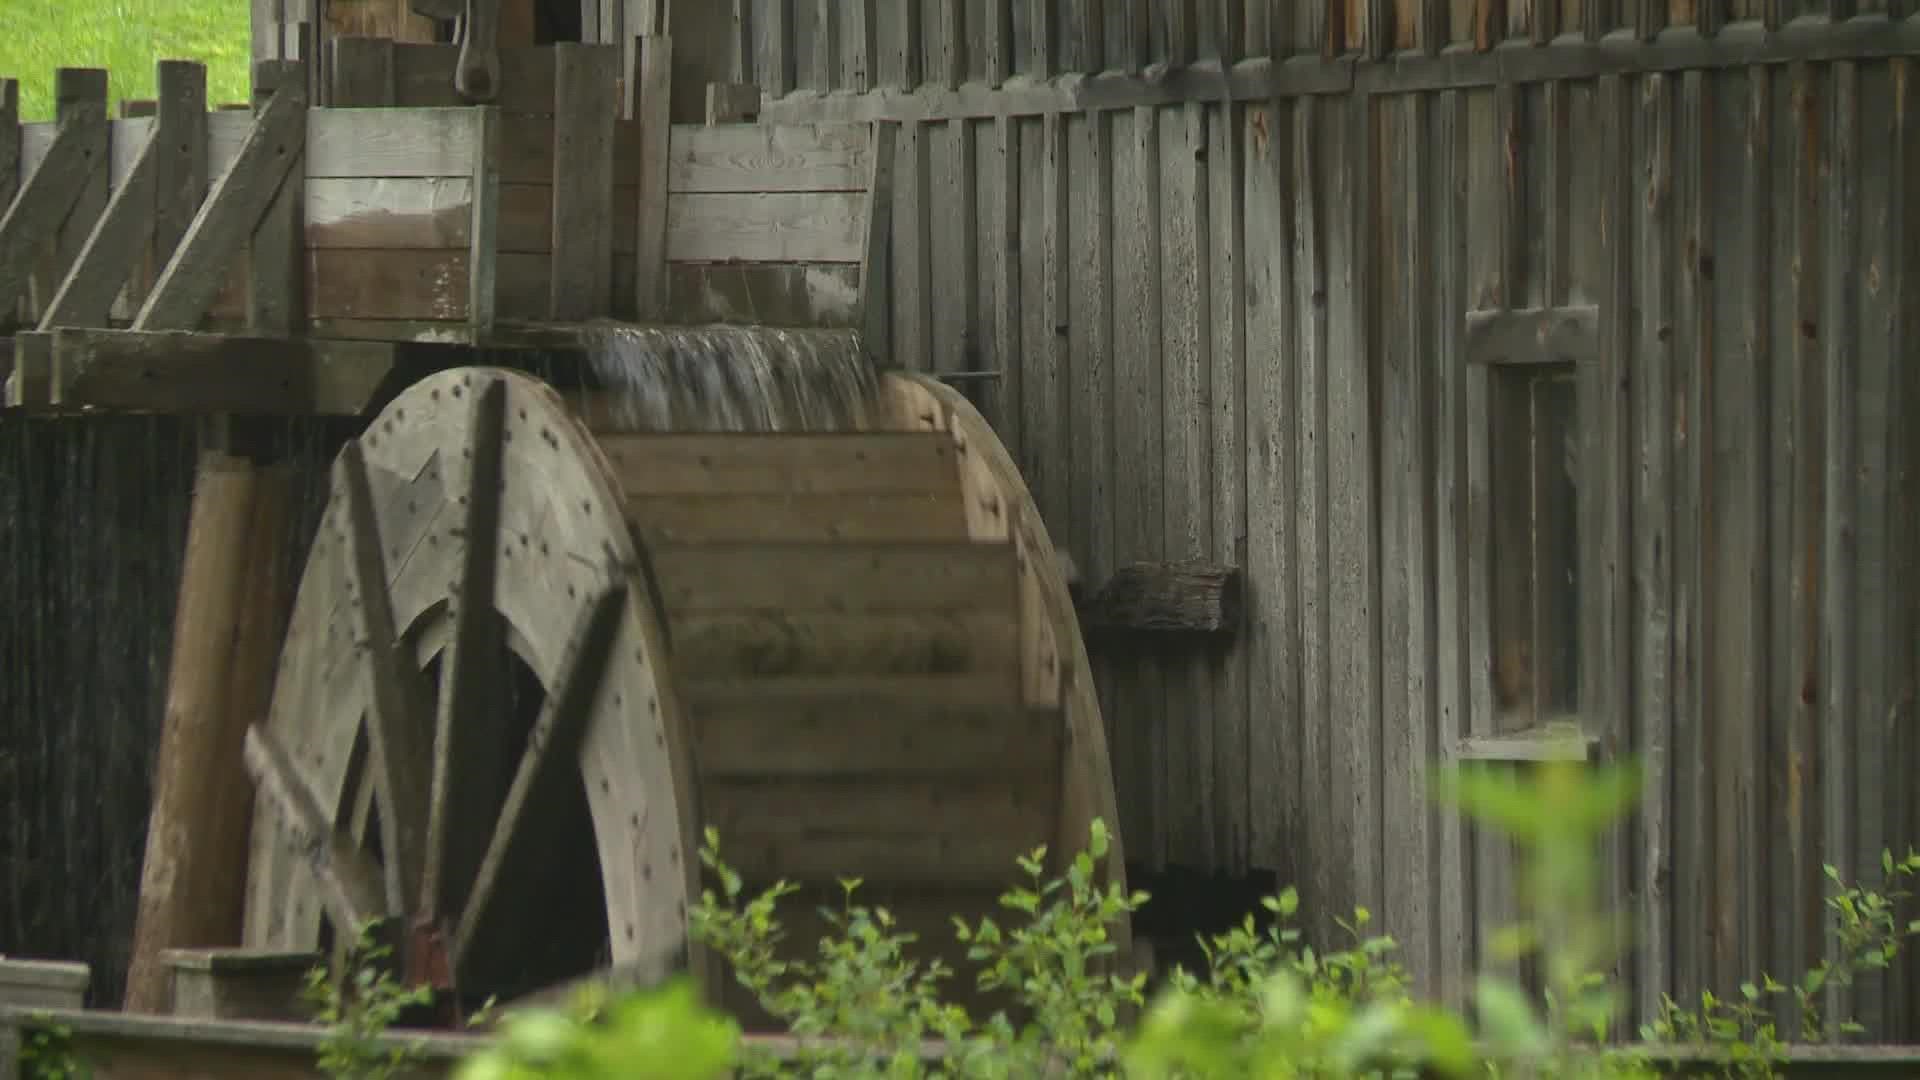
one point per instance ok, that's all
(45, 199)
(275, 145)
(653, 109)
(876, 263)
(184, 372)
(1148, 597)
(483, 246)
(585, 104)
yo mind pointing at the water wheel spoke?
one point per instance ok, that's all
(349, 880)
(552, 746)
(469, 717)
(396, 724)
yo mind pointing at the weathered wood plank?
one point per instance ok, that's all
(483, 241)
(1653, 532)
(348, 879)
(49, 193)
(868, 463)
(233, 207)
(876, 249)
(1227, 401)
(405, 212)
(851, 739)
(835, 576)
(1273, 625)
(759, 158)
(364, 74)
(1454, 876)
(654, 115)
(1190, 597)
(1407, 574)
(585, 105)
(10, 164)
(1549, 335)
(1187, 338)
(187, 372)
(767, 227)
(80, 220)
(274, 254)
(185, 163)
(912, 247)
(1311, 287)
(1847, 807)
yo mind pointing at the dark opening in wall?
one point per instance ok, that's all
(1186, 905)
(556, 20)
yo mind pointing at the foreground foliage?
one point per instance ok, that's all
(1267, 1005)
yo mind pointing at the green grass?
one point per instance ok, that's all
(126, 37)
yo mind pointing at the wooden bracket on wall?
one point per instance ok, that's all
(1155, 598)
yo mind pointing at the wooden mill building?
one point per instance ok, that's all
(1534, 362)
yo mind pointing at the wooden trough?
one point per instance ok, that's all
(530, 656)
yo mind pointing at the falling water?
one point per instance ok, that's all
(733, 378)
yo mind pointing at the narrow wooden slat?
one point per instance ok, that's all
(1543, 21)
(957, 273)
(655, 81)
(1489, 23)
(774, 28)
(9, 141)
(396, 720)
(468, 724)
(483, 238)
(1273, 625)
(1844, 802)
(1311, 285)
(876, 247)
(1454, 880)
(1000, 62)
(551, 749)
(584, 111)
(1003, 242)
(185, 161)
(1406, 672)
(1187, 339)
(233, 207)
(757, 158)
(780, 464)
(950, 68)
(349, 881)
(275, 256)
(1692, 362)
(55, 186)
(1653, 531)
(1435, 26)
(86, 295)
(1042, 48)
(863, 23)
(1227, 376)
(825, 73)
(796, 576)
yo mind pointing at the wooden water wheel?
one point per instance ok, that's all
(529, 661)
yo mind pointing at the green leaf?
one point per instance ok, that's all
(1508, 1017)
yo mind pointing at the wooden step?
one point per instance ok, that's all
(803, 516)
(836, 577)
(773, 643)
(864, 728)
(868, 463)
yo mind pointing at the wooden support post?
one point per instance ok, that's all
(585, 103)
(653, 108)
(225, 643)
(48, 197)
(483, 238)
(181, 179)
(276, 254)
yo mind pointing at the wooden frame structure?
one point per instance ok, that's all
(391, 217)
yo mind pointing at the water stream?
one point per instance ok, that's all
(733, 378)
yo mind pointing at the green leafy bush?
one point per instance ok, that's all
(1266, 1004)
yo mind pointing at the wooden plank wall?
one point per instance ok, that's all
(1226, 304)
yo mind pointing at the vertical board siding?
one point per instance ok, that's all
(1235, 331)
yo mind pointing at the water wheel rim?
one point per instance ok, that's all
(565, 578)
